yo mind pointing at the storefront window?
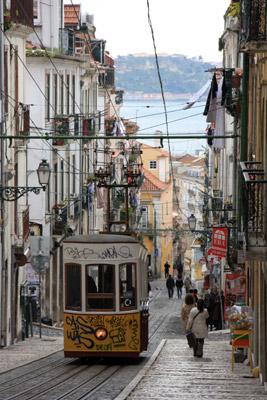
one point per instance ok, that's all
(100, 287)
(73, 287)
(127, 286)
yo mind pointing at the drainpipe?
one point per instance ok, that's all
(2, 205)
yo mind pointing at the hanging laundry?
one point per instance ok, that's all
(119, 128)
(210, 132)
(209, 107)
(133, 199)
(90, 195)
(197, 96)
(219, 143)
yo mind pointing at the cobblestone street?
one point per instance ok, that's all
(177, 374)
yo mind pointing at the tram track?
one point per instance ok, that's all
(56, 378)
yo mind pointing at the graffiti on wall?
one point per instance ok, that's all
(102, 332)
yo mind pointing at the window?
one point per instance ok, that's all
(55, 93)
(73, 174)
(62, 179)
(152, 164)
(144, 217)
(100, 287)
(47, 97)
(127, 286)
(61, 94)
(67, 94)
(55, 182)
(73, 287)
(73, 94)
(36, 12)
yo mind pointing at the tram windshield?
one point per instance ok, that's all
(100, 287)
(127, 286)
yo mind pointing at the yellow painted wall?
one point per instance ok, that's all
(164, 211)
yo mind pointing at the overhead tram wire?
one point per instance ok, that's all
(41, 137)
(43, 94)
(43, 47)
(89, 43)
(163, 98)
(57, 71)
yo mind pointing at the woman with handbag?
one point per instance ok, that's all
(189, 303)
(197, 323)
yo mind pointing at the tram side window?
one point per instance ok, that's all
(100, 287)
(127, 286)
(73, 287)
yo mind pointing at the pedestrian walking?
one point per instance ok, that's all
(197, 323)
(216, 306)
(195, 292)
(170, 285)
(166, 269)
(187, 284)
(189, 303)
(209, 306)
(179, 285)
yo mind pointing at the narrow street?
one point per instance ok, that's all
(174, 370)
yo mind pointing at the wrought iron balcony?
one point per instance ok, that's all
(255, 193)
(253, 24)
(60, 220)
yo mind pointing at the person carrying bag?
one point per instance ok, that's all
(191, 338)
(197, 322)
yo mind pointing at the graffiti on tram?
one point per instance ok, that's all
(102, 332)
(109, 253)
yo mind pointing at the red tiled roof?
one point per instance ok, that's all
(152, 183)
(72, 14)
(186, 158)
(199, 162)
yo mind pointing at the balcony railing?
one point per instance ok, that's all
(60, 220)
(61, 124)
(253, 21)
(255, 192)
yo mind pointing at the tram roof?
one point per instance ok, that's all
(102, 238)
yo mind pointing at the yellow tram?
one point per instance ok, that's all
(105, 296)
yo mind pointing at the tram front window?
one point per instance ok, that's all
(127, 286)
(73, 286)
(100, 287)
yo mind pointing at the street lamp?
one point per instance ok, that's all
(192, 222)
(12, 193)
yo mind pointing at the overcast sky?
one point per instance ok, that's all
(189, 27)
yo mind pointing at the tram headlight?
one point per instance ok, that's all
(101, 333)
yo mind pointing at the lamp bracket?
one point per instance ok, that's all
(11, 193)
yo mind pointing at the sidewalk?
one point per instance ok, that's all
(173, 373)
(29, 350)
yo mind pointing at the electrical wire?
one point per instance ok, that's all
(89, 43)
(163, 99)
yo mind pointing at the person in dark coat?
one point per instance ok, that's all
(170, 285)
(216, 308)
(166, 269)
(179, 285)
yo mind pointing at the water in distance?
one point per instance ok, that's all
(150, 117)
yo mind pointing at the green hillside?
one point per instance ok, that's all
(137, 73)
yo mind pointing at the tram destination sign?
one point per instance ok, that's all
(97, 251)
